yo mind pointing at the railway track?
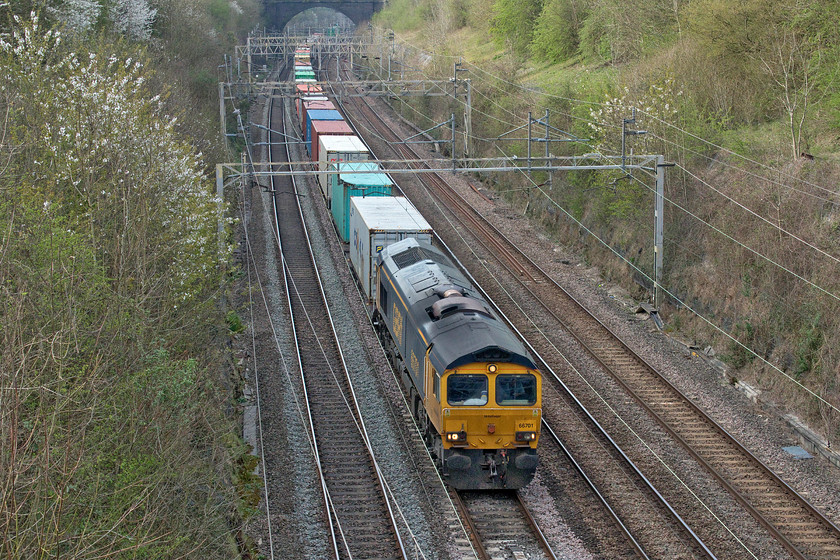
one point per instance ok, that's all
(792, 521)
(679, 540)
(502, 527)
(801, 529)
(360, 516)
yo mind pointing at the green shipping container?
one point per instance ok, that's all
(368, 180)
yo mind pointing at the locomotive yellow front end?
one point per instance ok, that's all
(473, 387)
(488, 415)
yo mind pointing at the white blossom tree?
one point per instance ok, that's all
(133, 18)
(108, 259)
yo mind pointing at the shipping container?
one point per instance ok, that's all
(375, 223)
(314, 105)
(308, 88)
(307, 97)
(305, 81)
(355, 179)
(304, 75)
(319, 115)
(333, 149)
(324, 128)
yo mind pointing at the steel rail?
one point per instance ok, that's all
(831, 530)
(312, 438)
(681, 522)
(594, 488)
(535, 527)
(475, 538)
(354, 400)
(771, 527)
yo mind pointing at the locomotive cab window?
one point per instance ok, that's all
(513, 390)
(466, 390)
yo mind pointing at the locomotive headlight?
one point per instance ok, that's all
(491, 368)
(526, 436)
(456, 437)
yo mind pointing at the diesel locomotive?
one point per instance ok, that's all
(473, 387)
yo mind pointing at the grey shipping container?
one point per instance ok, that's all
(375, 223)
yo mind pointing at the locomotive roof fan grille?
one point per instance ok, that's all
(409, 257)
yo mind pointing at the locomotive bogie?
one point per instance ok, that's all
(478, 469)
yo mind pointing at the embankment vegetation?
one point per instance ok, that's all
(117, 438)
(744, 99)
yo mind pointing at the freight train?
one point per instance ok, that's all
(474, 389)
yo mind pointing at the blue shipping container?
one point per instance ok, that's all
(371, 182)
(320, 115)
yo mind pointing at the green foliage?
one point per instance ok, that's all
(556, 35)
(109, 249)
(658, 105)
(402, 15)
(738, 355)
(220, 12)
(460, 13)
(234, 322)
(109, 157)
(758, 78)
(513, 23)
(625, 200)
(595, 41)
(809, 344)
(623, 30)
(733, 30)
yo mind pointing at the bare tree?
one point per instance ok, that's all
(791, 64)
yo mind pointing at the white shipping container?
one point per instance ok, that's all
(375, 223)
(334, 148)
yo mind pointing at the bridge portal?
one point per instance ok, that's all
(279, 12)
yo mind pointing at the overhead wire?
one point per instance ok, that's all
(680, 207)
(737, 155)
(676, 298)
(739, 243)
(536, 91)
(642, 112)
(250, 159)
(657, 119)
(760, 217)
(747, 172)
(598, 395)
(688, 172)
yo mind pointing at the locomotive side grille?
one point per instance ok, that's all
(409, 257)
